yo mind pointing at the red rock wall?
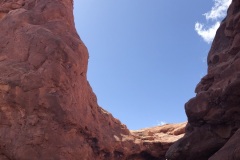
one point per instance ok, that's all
(47, 107)
(214, 114)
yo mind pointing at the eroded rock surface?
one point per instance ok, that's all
(47, 108)
(157, 140)
(214, 114)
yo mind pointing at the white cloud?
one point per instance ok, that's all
(207, 33)
(218, 10)
(216, 14)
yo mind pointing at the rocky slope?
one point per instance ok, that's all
(157, 140)
(213, 130)
(47, 108)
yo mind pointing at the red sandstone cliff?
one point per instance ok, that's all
(214, 114)
(47, 108)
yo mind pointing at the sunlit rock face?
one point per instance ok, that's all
(47, 108)
(214, 114)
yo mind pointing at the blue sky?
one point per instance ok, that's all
(146, 57)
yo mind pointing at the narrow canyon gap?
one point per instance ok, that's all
(48, 110)
(47, 107)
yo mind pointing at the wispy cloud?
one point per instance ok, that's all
(207, 33)
(161, 123)
(218, 11)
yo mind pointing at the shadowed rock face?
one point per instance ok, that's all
(47, 108)
(214, 114)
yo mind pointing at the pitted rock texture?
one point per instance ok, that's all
(214, 114)
(47, 108)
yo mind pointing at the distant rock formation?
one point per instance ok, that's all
(48, 110)
(157, 140)
(213, 129)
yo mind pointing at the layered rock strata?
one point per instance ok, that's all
(47, 107)
(214, 114)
